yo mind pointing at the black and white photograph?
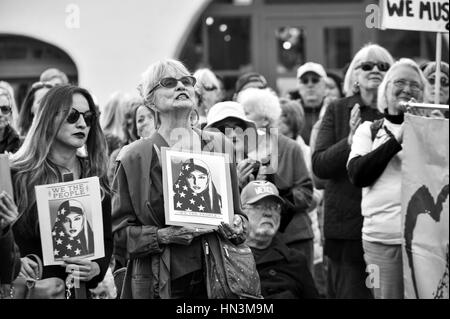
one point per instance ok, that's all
(70, 215)
(225, 149)
(198, 190)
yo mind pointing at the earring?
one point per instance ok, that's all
(355, 88)
(194, 123)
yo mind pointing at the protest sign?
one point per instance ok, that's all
(70, 220)
(5, 175)
(425, 207)
(197, 189)
(417, 15)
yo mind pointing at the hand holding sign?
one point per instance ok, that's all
(81, 269)
(8, 210)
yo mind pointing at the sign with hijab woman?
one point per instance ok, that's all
(70, 219)
(197, 189)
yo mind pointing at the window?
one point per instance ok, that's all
(418, 46)
(337, 47)
(229, 43)
(291, 49)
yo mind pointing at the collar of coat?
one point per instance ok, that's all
(275, 252)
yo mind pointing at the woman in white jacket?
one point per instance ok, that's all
(375, 164)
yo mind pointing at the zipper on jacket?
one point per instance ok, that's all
(226, 251)
(206, 248)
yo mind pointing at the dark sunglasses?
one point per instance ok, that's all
(74, 115)
(172, 82)
(307, 79)
(444, 81)
(368, 66)
(5, 109)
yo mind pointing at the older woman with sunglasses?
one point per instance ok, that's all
(342, 211)
(375, 164)
(65, 121)
(30, 105)
(164, 261)
(9, 139)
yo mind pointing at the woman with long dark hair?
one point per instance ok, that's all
(65, 122)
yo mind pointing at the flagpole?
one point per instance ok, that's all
(437, 84)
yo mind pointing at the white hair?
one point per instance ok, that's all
(205, 77)
(107, 284)
(263, 102)
(382, 98)
(155, 72)
(370, 49)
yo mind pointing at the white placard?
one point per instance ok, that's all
(197, 189)
(416, 15)
(70, 220)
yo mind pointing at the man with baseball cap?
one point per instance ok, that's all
(283, 271)
(312, 90)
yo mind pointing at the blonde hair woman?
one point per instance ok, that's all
(165, 261)
(375, 164)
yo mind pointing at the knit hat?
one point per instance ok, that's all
(248, 78)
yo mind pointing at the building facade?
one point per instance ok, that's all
(105, 45)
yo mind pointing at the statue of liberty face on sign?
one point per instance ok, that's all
(72, 235)
(195, 190)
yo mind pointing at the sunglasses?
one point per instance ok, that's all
(368, 66)
(313, 79)
(74, 115)
(444, 81)
(172, 82)
(5, 109)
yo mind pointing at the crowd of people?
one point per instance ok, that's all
(315, 176)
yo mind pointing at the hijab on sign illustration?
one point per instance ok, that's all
(194, 189)
(72, 235)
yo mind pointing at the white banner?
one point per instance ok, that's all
(425, 207)
(417, 15)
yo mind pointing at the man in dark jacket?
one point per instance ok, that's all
(283, 272)
(343, 219)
